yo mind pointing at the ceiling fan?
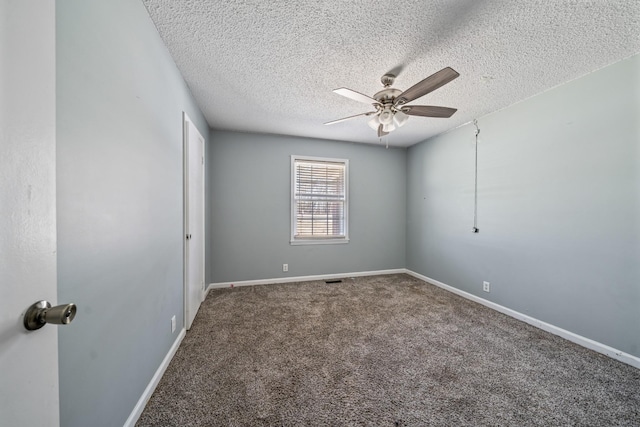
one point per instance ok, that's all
(390, 109)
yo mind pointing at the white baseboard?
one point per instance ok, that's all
(146, 395)
(621, 356)
(302, 279)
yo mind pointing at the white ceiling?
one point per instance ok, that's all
(269, 66)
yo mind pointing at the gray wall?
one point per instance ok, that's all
(558, 205)
(119, 172)
(249, 214)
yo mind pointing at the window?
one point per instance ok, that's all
(319, 203)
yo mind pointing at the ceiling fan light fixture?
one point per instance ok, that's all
(400, 118)
(388, 127)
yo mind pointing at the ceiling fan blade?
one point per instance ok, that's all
(350, 117)
(427, 85)
(381, 133)
(356, 96)
(429, 111)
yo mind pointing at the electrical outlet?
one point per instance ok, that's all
(486, 286)
(173, 323)
(285, 267)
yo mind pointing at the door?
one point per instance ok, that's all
(194, 219)
(28, 360)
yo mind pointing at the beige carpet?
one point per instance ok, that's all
(381, 351)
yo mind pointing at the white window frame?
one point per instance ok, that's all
(319, 240)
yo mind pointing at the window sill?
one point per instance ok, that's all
(319, 242)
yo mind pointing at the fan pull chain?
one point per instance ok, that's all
(475, 190)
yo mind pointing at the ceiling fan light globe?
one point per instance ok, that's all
(388, 127)
(374, 123)
(386, 117)
(400, 118)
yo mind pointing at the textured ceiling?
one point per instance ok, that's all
(270, 66)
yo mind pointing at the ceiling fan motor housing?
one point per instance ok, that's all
(386, 96)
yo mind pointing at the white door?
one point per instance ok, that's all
(28, 360)
(194, 220)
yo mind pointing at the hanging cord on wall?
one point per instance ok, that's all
(475, 190)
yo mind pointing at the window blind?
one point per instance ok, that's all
(319, 198)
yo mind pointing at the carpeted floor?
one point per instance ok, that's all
(381, 351)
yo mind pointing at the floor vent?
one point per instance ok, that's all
(333, 281)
